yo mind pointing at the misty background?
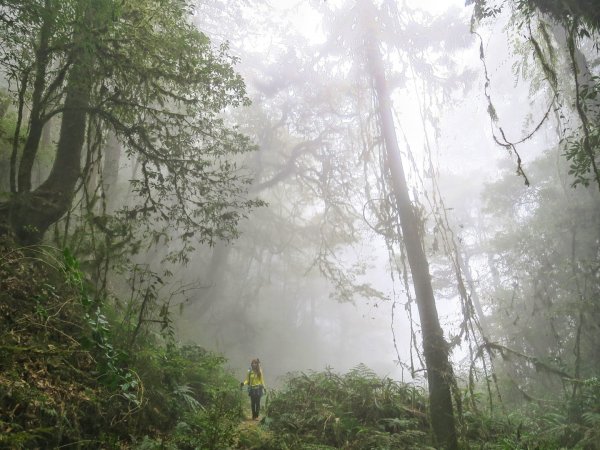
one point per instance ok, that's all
(275, 293)
(393, 204)
(316, 277)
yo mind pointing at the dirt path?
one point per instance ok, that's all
(251, 434)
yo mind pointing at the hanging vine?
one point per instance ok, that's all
(583, 143)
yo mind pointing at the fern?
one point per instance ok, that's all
(591, 419)
(185, 393)
(354, 410)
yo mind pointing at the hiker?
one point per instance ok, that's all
(256, 386)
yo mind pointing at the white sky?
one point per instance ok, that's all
(460, 149)
(306, 19)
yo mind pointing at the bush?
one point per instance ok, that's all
(67, 379)
(353, 411)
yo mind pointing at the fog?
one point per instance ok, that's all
(319, 277)
(309, 283)
(371, 188)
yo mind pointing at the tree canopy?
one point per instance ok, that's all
(140, 70)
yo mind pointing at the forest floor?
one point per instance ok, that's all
(66, 380)
(252, 433)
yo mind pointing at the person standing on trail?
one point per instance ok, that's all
(256, 386)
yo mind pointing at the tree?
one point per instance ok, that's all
(553, 31)
(360, 33)
(435, 348)
(271, 281)
(140, 70)
(561, 10)
(546, 250)
(349, 57)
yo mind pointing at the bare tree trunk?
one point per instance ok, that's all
(215, 277)
(466, 269)
(110, 171)
(435, 348)
(4, 103)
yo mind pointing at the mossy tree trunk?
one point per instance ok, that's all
(32, 212)
(36, 118)
(435, 348)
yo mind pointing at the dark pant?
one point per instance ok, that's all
(255, 395)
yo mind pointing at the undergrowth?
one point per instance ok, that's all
(69, 379)
(357, 410)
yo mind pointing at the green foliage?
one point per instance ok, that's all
(185, 380)
(352, 411)
(66, 380)
(48, 392)
(545, 255)
(539, 426)
(580, 159)
(553, 57)
(536, 424)
(213, 428)
(582, 148)
(99, 337)
(157, 83)
(259, 437)
(177, 87)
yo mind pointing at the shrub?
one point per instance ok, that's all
(353, 411)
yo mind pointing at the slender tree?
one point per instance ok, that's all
(435, 348)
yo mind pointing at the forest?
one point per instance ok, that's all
(300, 224)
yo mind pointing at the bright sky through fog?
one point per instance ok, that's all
(306, 19)
(435, 6)
(379, 352)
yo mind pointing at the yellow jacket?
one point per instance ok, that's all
(254, 379)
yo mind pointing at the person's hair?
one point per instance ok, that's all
(259, 369)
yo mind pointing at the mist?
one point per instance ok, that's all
(406, 187)
(292, 289)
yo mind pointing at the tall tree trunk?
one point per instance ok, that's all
(463, 262)
(4, 103)
(36, 119)
(435, 348)
(110, 171)
(214, 279)
(31, 213)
